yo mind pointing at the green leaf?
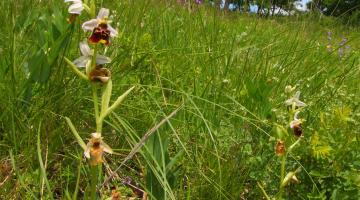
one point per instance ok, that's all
(116, 104)
(76, 134)
(105, 99)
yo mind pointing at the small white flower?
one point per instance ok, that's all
(86, 57)
(226, 81)
(295, 100)
(100, 21)
(76, 6)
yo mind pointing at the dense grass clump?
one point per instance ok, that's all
(228, 73)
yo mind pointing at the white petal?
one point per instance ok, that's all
(107, 149)
(102, 78)
(100, 59)
(113, 32)
(76, 8)
(103, 13)
(87, 150)
(294, 123)
(300, 103)
(96, 135)
(85, 49)
(297, 95)
(90, 25)
(289, 102)
(82, 61)
(296, 115)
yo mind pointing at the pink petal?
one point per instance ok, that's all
(103, 13)
(113, 32)
(85, 49)
(76, 8)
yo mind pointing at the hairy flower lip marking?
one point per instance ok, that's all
(100, 28)
(100, 35)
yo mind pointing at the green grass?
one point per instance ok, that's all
(230, 72)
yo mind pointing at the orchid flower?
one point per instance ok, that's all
(100, 27)
(86, 57)
(296, 125)
(95, 149)
(295, 100)
(76, 6)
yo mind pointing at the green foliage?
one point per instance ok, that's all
(348, 10)
(230, 72)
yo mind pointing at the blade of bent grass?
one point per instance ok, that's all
(21, 180)
(141, 143)
(42, 167)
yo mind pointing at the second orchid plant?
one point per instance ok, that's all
(90, 66)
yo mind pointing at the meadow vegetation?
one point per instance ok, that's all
(229, 74)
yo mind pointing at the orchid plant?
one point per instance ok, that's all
(282, 147)
(90, 66)
(295, 124)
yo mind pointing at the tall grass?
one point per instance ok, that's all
(229, 71)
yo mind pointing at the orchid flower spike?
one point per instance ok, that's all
(295, 100)
(76, 7)
(95, 149)
(86, 57)
(100, 27)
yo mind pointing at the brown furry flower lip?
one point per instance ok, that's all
(297, 129)
(280, 148)
(100, 74)
(95, 149)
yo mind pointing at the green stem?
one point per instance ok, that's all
(94, 170)
(263, 191)
(93, 61)
(87, 8)
(95, 96)
(93, 8)
(96, 107)
(282, 175)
